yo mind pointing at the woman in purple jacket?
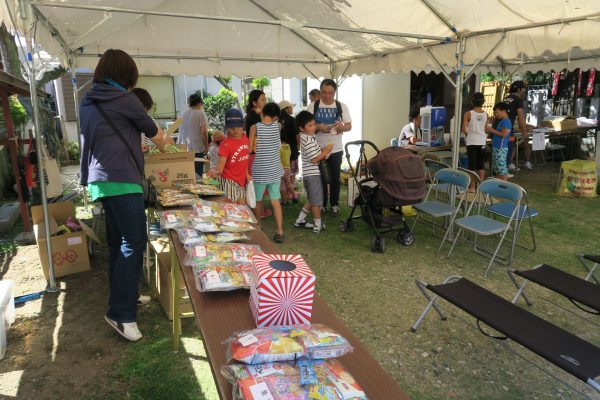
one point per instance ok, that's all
(112, 176)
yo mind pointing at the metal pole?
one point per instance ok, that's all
(460, 50)
(38, 144)
(73, 66)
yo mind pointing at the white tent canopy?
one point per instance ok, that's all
(314, 37)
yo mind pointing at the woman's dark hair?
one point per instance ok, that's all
(502, 106)
(329, 82)
(144, 97)
(253, 97)
(414, 113)
(477, 99)
(303, 118)
(195, 99)
(118, 66)
(516, 86)
(271, 110)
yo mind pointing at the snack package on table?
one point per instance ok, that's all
(209, 181)
(231, 253)
(224, 237)
(239, 212)
(174, 219)
(305, 380)
(219, 278)
(175, 197)
(205, 224)
(235, 225)
(286, 343)
(190, 237)
(207, 209)
(202, 189)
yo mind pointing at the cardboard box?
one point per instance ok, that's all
(70, 250)
(164, 285)
(167, 169)
(561, 123)
(282, 289)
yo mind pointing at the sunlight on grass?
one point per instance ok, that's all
(197, 357)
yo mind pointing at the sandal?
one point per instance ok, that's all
(279, 238)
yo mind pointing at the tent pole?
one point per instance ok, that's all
(73, 67)
(438, 64)
(460, 50)
(431, 8)
(481, 60)
(38, 144)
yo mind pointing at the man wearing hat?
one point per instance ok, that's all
(289, 137)
(516, 110)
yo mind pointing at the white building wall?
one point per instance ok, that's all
(386, 104)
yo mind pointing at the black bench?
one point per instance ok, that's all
(565, 350)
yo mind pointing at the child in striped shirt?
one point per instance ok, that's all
(311, 155)
(266, 169)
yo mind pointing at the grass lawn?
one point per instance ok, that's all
(376, 296)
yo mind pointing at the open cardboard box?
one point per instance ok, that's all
(165, 170)
(69, 250)
(561, 123)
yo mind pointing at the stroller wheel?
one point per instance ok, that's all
(377, 244)
(405, 238)
(346, 226)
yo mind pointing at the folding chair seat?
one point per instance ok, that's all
(506, 209)
(572, 354)
(436, 208)
(482, 225)
(583, 258)
(579, 291)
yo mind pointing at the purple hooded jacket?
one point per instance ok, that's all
(104, 156)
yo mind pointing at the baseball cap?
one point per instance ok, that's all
(234, 118)
(284, 103)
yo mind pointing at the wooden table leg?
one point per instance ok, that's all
(175, 281)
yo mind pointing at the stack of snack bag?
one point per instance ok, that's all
(290, 363)
(174, 219)
(175, 198)
(201, 189)
(222, 267)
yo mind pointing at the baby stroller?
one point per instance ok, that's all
(393, 178)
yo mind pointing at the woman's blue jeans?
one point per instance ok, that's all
(127, 237)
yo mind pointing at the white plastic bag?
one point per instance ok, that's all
(250, 195)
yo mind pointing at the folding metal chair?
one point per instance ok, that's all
(590, 269)
(436, 208)
(506, 208)
(431, 168)
(483, 225)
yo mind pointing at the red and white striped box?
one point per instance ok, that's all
(282, 291)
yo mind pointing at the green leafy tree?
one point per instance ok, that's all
(215, 107)
(261, 82)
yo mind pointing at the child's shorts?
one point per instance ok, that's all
(499, 160)
(314, 189)
(273, 188)
(233, 190)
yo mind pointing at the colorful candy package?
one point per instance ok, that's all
(235, 225)
(218, 278)
(190, 237)
(238, 211)
(224, 237)
(207, 209)
(319, 380)
(289, 343)
(205, 224)
(229, 253)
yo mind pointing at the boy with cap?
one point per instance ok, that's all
(232, 168)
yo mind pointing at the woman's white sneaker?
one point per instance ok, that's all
(129, 330)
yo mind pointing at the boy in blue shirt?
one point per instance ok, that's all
(500, 137)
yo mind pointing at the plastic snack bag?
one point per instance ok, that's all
(205, 224)
(189, 236)
(174, 219)
(289, 343)
(219, 278)
(239, 212)
(206, 209)
(235, 225)
(319, 380)
(224, 237)
(230, 253)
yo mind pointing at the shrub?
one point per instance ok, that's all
(215, 107)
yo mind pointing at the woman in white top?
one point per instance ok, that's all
(474, 122)
(409, 132)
